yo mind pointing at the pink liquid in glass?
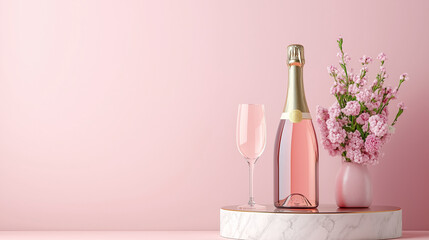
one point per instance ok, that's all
(251, 131)
(296, 160)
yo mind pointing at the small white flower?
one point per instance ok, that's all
(392, 129)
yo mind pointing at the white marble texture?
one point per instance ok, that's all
(282, 226)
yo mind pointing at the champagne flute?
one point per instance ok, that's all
(251, 141)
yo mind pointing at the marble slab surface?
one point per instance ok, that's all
(327, 222)
(143, 235)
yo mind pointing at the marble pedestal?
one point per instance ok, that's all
(325, 222)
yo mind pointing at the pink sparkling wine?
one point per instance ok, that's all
(251, 130)
(296, 155)
(296, 165)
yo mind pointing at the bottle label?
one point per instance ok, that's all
(295, 116)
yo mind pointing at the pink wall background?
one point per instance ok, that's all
(121, 114)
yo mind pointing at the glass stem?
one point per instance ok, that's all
(251, 163)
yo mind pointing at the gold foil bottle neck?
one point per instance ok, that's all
(295, 55)
(296, 105)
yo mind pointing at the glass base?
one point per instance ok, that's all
(253, 207)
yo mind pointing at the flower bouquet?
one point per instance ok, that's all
(356, 126)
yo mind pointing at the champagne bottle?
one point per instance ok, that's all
(296, 153)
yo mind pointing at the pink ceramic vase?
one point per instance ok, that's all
(353, 188)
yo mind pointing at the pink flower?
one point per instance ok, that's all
(347, 58)
(334, 110)
(355, 140)
(333, 71)
(365, 60)
(353, 89)
(352, 108)
(373, 158)
(378, 125)
(402, 106)
(338, 89)
(382, 57)
(332, 124)
(336, 133)
(334, 149)
(365, 127)
(390, 92)
(372, 143)
(362, 81)
(377, 96)
(364, 96)
(353, 77)
(337, 137)
(376, 99)
(328, 146)
(343, 121)
(357, 156)
(323, 128)
(322, 113)
(363, 119)
(372, 106)
(383, 69)
(404, 77)
(354, 155)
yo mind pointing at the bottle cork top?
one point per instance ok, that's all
(295, 54)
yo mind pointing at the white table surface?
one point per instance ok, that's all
(139, 235)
